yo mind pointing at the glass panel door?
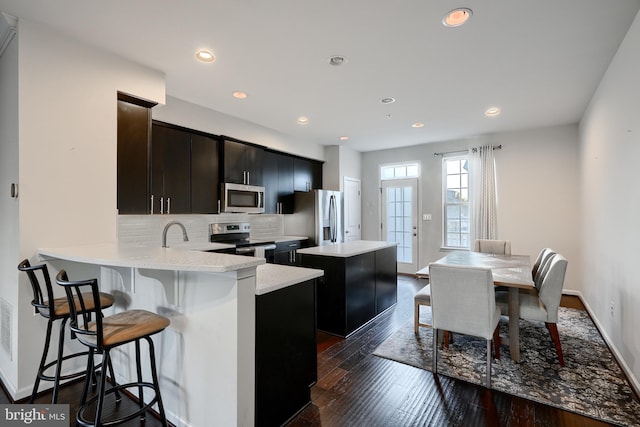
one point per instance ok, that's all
(399, 220)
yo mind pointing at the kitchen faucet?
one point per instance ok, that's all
(166, 228)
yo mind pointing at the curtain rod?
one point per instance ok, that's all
(474, 149)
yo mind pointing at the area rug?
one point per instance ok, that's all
(591, 383)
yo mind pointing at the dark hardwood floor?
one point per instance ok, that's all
(356, 388)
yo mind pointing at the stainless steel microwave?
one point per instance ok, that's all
(242, 198)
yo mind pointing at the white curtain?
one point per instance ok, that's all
(483, 194)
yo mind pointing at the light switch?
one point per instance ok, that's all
(426, 217)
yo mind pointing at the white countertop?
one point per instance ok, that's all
(271, 277)
(180, 258)
(279, 239)
(348, 249)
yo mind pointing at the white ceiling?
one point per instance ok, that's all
(540, 61)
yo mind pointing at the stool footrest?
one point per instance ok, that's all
(81, 420)
(78, 374)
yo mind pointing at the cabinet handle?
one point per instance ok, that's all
(152, 204)
(168, 205)
(248, 178)
(161, 205)
(218, 206)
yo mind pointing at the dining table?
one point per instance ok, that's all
(510, 271)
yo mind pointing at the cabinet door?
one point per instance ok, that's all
(134, 135)
(253, 164)
(307, 174)
(360, 290)
(270, 181)
(386, 278)
(285, 184)
(234, 166)
(171, 170)
(205, 185)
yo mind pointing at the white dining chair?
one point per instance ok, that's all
(489, 246)
(542, 303)
(463, 301)
(421, 298)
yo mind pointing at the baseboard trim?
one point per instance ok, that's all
(635, 384)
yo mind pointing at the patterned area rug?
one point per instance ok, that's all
(591, 383)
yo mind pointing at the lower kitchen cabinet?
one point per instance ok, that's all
(286, 358)
(285, 253)
(354, 289)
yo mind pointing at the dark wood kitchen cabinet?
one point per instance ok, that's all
(286, 253)
(170, 170)
(307, 174)
(242, 162)
(286, 358)
(205, 174)
(277, 178)
(134, 139)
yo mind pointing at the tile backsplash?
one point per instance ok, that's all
(147, 229)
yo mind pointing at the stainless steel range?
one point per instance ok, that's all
(238, 234)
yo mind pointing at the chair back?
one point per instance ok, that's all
(551, 288)
(88, 330)
(542, 269)
(463, 300)
(40, 304)
(487, 246)
(542, 256)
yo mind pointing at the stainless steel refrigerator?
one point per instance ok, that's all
(318, 215)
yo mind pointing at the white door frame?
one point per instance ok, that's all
(352, 205)
(403, 267)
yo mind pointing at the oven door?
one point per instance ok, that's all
(242, 198)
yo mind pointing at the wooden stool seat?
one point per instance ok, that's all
(126, 327)
(61, 305)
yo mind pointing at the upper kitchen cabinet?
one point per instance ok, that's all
(307, 174)
(277, 177)
(242, 163)
(205, 174)
(134, 138)
(170, 170)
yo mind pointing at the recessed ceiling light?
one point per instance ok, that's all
(344, 138)
(388, 100)
(457, 17)
(336, 60)
(239, 94)
(417, 125)
(303, 120)
(492, 112)
(204, 55)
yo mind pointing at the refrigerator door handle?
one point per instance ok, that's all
(332, 217)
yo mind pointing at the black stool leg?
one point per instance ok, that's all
(90, 377)
(43, 361)
(140, 388)
(114, 383)
(101, 389)
(156, 384)
(56, 381)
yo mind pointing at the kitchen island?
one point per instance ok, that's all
(359, 282)
(207, 356)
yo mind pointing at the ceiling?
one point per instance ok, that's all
(539, 61)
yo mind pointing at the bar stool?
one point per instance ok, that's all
(55, 309)
(104, 334)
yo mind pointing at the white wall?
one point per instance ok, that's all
(538, 192)
(67, 157)
(340, 161)
(182, 113)
(610, 149)
(8, 206)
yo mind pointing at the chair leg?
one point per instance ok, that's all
(497, 341)
(90, 377)
(416, 317)
(435, 351)
(489, 357)
(156, 383)
(102, 386)
(553, 330)
(43, 361)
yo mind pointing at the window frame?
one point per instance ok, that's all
(446, 204)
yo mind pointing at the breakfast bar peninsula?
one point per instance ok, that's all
(207, 356)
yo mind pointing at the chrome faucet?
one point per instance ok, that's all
(166, 228)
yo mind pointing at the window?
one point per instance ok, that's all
(456, 202)
(407, 170)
